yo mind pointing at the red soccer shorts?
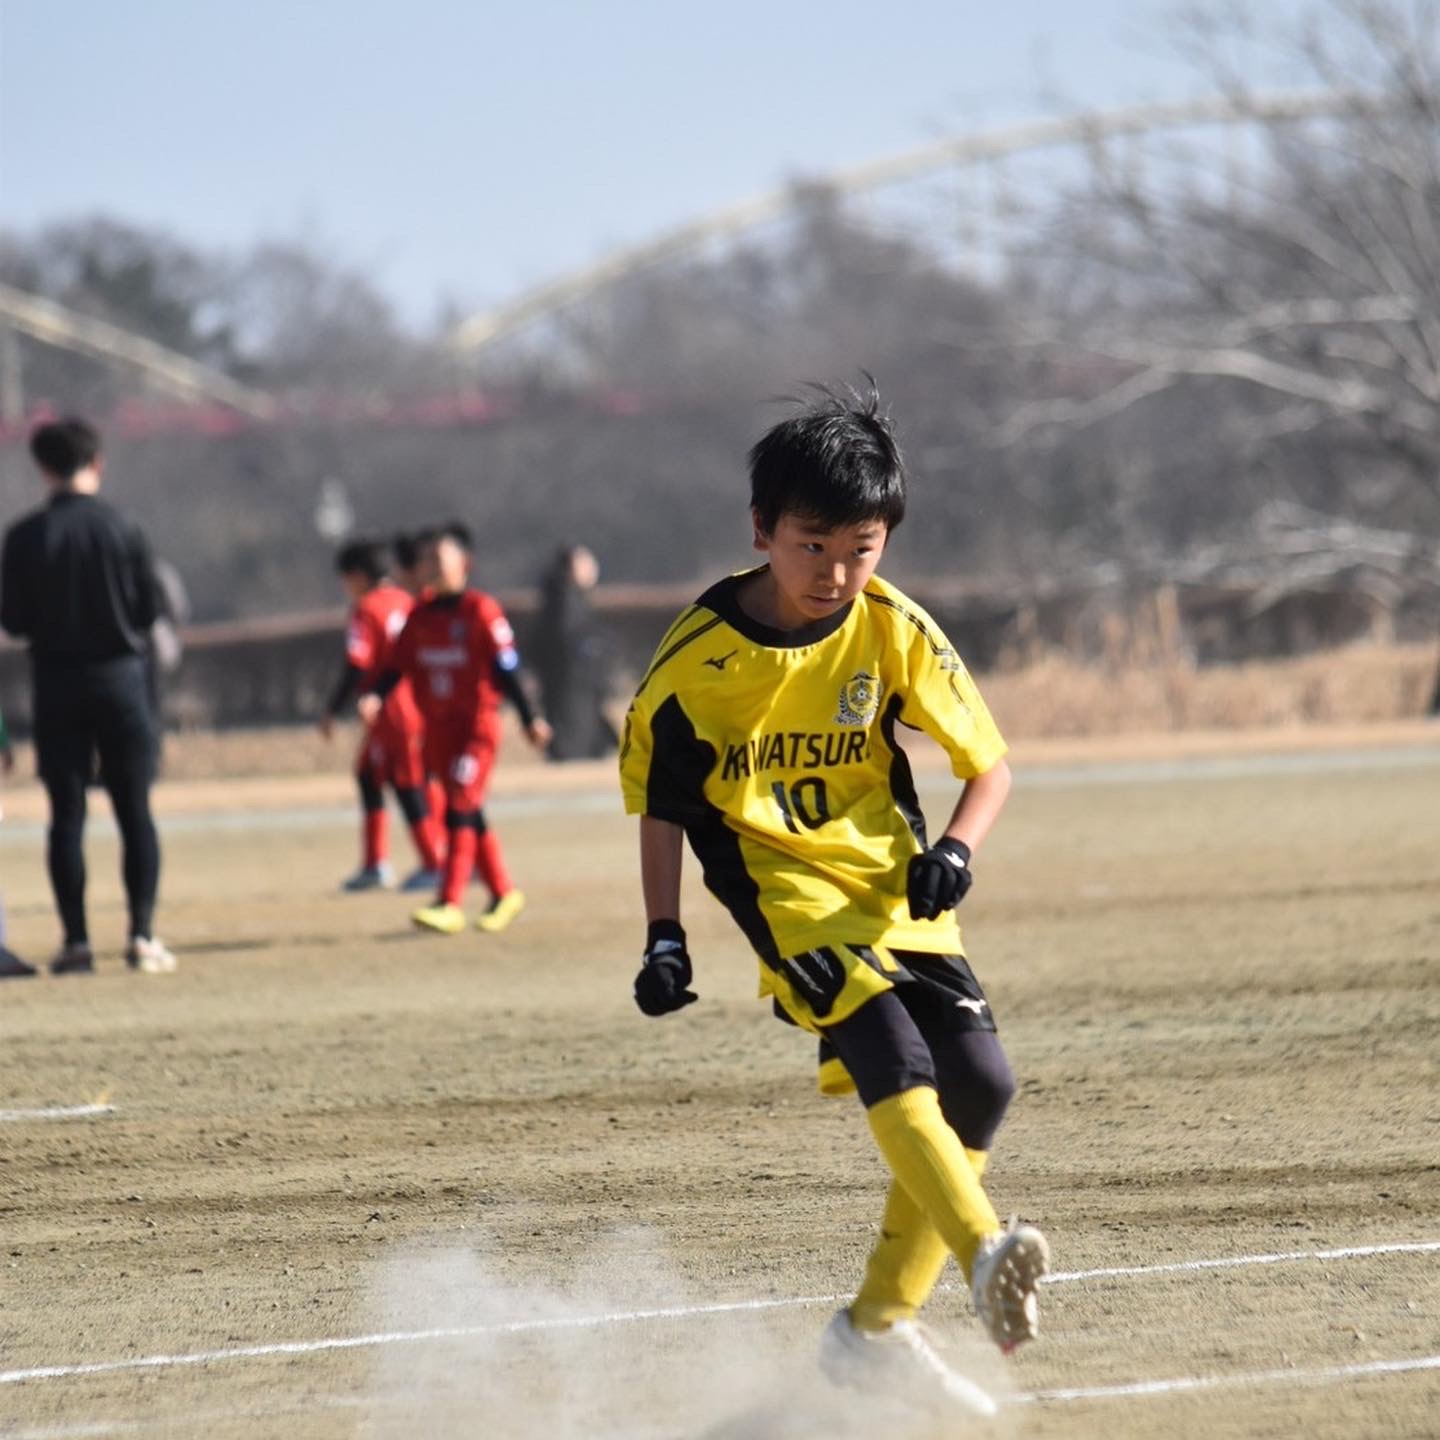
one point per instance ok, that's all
(462, 760)
(391, 754)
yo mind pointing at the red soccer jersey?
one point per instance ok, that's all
(449, 650)
(375, 625)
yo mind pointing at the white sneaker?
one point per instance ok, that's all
(149, 955)
(1007, 1270)
(900, 1362)
(370, 877)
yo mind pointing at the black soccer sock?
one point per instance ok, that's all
(130, 799)
(414, 804)
(65, 854)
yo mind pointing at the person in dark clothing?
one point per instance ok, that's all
(572, 659)
(78, 584)
(12, 967)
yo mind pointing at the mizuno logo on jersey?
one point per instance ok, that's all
(793, 750)
(718, 661)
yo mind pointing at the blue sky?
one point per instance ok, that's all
(467, 150)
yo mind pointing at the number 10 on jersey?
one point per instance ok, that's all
(803, 803)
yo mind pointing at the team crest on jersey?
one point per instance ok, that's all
(859, 700)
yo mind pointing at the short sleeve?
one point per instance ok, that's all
(942, 700)
(498, 632)
(637, 749)
(361, 640)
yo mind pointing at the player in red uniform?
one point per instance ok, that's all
(458, 652)
(390, 753)
(408, 550)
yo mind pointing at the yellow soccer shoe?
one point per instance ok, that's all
(443, 919)
(501, 912)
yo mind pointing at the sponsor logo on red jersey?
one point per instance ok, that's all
(449, 649)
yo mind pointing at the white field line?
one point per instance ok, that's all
(408, 1337)
(1140, 1389)
(1183, 1383)
(606, 800)
(670, 1312)
(55, 1112)
(1236, 1262)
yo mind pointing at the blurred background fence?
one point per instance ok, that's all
(280, 670)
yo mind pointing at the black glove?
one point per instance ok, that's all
(663, 982)
(938, 878)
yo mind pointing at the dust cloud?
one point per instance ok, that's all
(499, 1359)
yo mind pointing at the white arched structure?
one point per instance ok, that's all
(483, 329)
(177, 374)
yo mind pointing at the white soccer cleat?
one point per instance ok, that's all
(900, 1362)
(150, 956)
(370, 877)
(1006, 1273)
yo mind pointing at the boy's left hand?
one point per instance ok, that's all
(938, 878)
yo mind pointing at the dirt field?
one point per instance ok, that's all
(1219, 981)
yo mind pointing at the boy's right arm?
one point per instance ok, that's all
(347, 682)
(360, 639)
(663, 983)
(661, 856)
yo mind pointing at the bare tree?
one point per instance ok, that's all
(1314, 285)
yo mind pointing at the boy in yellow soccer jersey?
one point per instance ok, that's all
(764, 732)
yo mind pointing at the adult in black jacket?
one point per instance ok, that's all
(78, 584)
(573, 659)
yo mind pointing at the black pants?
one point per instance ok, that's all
(85, 713)
(916, 1035)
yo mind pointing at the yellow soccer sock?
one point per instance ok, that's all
(902, 1268)
(907, 1261)
(925, 1155)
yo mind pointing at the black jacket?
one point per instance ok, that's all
(77, 582)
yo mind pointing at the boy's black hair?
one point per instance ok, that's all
(836, 462)
(361, 557)
(408, 544)
(63, 448)
(458, 531)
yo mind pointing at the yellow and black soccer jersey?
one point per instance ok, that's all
(776, 751)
